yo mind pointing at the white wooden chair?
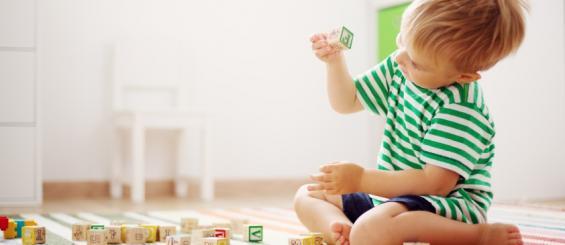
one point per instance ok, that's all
(149, 93)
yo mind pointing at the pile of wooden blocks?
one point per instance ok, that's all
(119, 232)
(217, 233)
(27, 230)
(191, 233)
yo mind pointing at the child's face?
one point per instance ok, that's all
(427, 72)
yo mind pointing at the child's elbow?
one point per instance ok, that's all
(341, 109)
(441, 190)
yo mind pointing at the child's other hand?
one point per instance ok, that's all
(338, 178)
(323, 50)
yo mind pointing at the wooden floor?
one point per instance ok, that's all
(163, 203)
(171, 203)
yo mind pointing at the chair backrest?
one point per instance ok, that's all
(146, 75)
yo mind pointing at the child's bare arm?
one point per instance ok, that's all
(341, 89)
(340, 178)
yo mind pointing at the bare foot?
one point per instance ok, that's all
(341, 232)
(500, 234)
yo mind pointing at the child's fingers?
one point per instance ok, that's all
(319, 44)
(314, 187)
(322, 52)
(320, 177)
(327, 168)
(317, 37)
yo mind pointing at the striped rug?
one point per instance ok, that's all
(538, 226)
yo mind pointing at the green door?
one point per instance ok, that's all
(388, 26)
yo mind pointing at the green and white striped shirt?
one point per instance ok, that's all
(449, 127)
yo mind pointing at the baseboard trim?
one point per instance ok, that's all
(56, 190)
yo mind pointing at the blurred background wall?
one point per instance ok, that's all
(248, 64)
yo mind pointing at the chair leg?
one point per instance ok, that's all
(207, 179)
(138, 163)
(117, 166)
(181, 183)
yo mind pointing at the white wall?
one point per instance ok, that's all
(253, 71)
(526, 95)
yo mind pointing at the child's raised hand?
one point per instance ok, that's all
(322, 49)
(338, 178)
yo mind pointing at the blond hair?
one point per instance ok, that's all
(473, 34)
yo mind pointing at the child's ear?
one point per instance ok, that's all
(468, 77)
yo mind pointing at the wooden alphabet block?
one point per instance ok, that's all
(188, 224)
(253, 233)
(341, 38)
(136, 235)
(151, 232)
(96, 237)
(216, 241)
(199, 234)
(223, 232)
(165, 231)
(238, 225)
(79, 231)
(113, 234)
(182, 239)
(33, 235)
(317, 236)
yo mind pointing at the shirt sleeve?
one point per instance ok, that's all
(373, 85)
(458, 135)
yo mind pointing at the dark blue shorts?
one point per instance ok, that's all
(356, 204)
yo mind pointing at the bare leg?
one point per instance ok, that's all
(322, 213)
(390, 223)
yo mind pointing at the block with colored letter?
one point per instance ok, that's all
(223, 232)
(123, 229)
(215, 241)
(96, 237)
(301, 240)
(113, 234)
(79, 231)
(182, 239)
(341, 38)
(136, 235)
(33, 235)
(253, 233)
(188, 224)
(96, 227)
(165, 231)
(10, 231)
(151, 232)
(317, 236)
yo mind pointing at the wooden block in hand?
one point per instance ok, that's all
(341, 38)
